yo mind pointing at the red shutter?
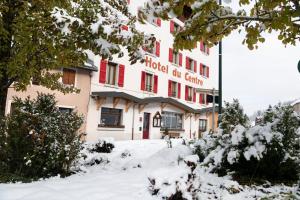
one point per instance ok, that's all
(194, 96)
(170, 88)
(157, 52)
(124, 27)
(187, 63)
(200, 98)
(171, 26)
(180, 59)
(158, 22)
(201, 46)
(201, 69)
(102, 76)
(195, 66)
(143, 79)
(186, 92)
(170, 55)
(207, 72)
(155, 83)
(121, 75)
(178, 90)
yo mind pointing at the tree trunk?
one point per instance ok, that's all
(3, 97)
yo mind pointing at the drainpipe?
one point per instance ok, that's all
(191, 126)
(132, 128)
(213, 111)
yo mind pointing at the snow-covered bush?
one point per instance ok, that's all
(101, 146)
(184, 184)
(40, 140)
(264, 152)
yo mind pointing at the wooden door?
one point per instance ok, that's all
(146, 125)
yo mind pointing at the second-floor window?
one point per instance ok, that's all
(149, 82)
(68, 77)
(155, 50)
(174, 27)
(190, 93)
(174, 89)
(111, 74)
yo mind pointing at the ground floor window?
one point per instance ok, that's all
(171, 120)
(65, 110)
(202, 124)
(110, 117)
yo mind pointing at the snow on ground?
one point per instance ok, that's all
(126, 177)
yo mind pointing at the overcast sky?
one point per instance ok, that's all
(260, 77)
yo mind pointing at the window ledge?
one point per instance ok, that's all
(151, 54)
(103, 126)
(174, 64)
(191, 71)
(111, 86)
(172, 130)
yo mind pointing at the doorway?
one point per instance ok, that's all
(146, 125)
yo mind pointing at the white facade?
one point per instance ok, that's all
(132, 114)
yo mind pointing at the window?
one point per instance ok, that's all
(202, 125)
(149, 82)
(111, 74)
(68, 77)
(175, 57)
(65, 110)
(174, 27)
(110, 117)
(204, 48)
(191, 64)
(171, 120)
(155, 50)
(204, 70)
(174, 89)
(35, 81)
(202, 99)
(189, 93)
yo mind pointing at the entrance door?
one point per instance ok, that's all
(146, 125)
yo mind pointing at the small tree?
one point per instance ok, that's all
(40, 140)
(232, 115)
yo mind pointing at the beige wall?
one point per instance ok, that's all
(209, 121)
(78, 101)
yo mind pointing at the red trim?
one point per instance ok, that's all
(121, 75)
(201, 46)
(186, 92)
(102, 75)
(201, 69)
(194, 95)
(169, 88)
(187, 63)
(124, 27)
(157, 52)
(170, 55)
(178, 90)
(143, 79)
(195, 66)
(155, 83)
(180, 59)
(171, 26)
(158, 22)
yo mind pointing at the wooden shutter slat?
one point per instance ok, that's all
(157, 50)
(170, 55)
(178, 90)
(121, 75)
(102, 75)
(143, 80)
(155, 83)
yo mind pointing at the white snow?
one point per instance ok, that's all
(124, 175)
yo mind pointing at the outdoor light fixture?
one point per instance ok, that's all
(157, 120)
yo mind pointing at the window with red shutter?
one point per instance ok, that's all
(143, 80)
(187, 63)
(178, 90)
(194, 95)
(180, 59)
(201, 69)
(158, 22)
(170, 55)
(169, 88)
(155, 83)
(102, 75)
(201, 46)
(186, 93)
(157, 49)
(121, 75)
(171, 26)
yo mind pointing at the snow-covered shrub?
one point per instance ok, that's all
(233, 115)
(101, 146)
(183, 184)
(41, 141)
(264, 152)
